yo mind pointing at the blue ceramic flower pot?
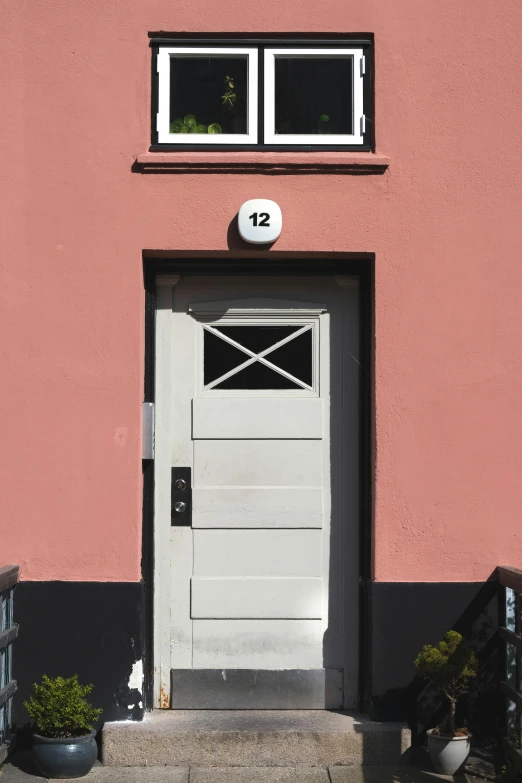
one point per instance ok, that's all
(64, 757)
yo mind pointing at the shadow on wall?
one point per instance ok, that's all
(423, 613)
(235, 241)
(92, 629)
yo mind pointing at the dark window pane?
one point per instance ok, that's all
(313, 95)
(295, 357)
(219, 357)
(257, 376)
(258, 338)
(208, 94)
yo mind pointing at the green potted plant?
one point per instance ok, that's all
(451, 666)
(64, 743)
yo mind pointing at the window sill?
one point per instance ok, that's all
(262, 162)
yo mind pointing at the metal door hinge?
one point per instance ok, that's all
(363, 65)
(147, 430)
(363, 124)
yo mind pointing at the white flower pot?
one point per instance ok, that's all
(448, 754)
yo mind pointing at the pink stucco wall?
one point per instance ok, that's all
(444, 222)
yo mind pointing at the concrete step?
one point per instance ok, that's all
(256, 738)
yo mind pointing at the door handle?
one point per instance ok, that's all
(181, 498)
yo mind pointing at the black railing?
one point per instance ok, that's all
(510, 632)
(8, 633)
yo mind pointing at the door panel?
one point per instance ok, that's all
(180, 624)
(256, 418)
(258, 644)
(247, 598)
(252, 507)
(251, 463)
(257, 553)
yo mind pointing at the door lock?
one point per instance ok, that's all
(181, 498)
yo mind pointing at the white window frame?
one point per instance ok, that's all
(357, 137)
(163, 116)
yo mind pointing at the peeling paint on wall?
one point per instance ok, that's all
(136, 682)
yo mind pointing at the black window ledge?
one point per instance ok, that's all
(244, 162)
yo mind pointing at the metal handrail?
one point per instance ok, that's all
(9, 576)
(510, 577)
(510, 614)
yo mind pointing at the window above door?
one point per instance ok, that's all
(255, 357)
(258, 347)
(273, 94)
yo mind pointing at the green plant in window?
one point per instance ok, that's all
(185, 125)
(230, 96)
(175, 125)
(190, 120)
(190, 125)
(323, 125)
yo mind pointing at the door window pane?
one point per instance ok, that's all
(219, 357)
(257, 376)
(295, 357)
(267, 368)
(208, 94)
(314, 95)
(257, 338)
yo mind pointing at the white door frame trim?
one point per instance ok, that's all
(162, 527)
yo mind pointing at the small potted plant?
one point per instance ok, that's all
(451, 666)
(64, 743)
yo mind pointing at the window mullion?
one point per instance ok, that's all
(285, 340)
(261, 95)
(285, 374)
(231, 372)
(230, 341)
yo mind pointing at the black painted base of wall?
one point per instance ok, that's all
(408, 615)
(92, 629)
(95, 630)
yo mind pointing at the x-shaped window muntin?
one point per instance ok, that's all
(258, 357)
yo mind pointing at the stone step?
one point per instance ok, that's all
(254, 738)
(14, 772)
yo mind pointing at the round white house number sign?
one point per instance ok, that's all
(260, 221)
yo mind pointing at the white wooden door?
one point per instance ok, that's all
(256, 493)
